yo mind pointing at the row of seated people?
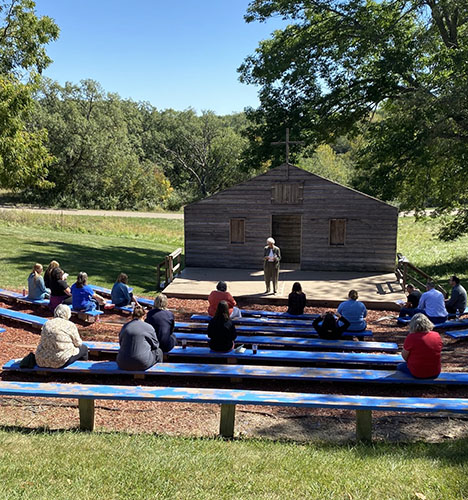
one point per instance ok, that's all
(350, 316)
(433, 304)
(54, 286)
(143, 340)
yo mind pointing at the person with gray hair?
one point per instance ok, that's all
(421, 349)
(60, 343)
(162, 321)
(271, 265)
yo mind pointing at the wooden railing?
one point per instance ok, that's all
(168, 269)
(408, 273)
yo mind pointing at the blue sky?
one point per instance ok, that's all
(173, 54)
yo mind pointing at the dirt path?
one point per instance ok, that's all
(103, 213)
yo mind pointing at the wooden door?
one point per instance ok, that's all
(286, 230)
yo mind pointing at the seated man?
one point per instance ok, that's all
(221, 293)
(409, 309)
(457, 302)
(432, 304)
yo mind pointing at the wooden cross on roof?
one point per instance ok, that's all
(287, 142)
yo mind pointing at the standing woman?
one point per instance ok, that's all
(36, 287)
(271, 265)
(221, 330)
(296, 300)
(83, 296)
(139, 346)
(60, 292)
(354, 311)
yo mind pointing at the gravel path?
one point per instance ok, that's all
(105, 213)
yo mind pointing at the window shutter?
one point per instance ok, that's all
(237, 230)
(337, 232)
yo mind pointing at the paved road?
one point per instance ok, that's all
(105, 213)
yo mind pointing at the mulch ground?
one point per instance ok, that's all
(203, 420)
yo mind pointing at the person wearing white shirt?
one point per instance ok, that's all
(271, 267)
(432, 304)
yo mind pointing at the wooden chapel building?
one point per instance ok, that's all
(318, 224)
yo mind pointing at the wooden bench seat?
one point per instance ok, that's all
(281, 330)
(457, 334)
(276, 314)
(279, 356)
(355, 375)
(451, 323)
(29, 319)
(2, 330)
(297, 342)
(229, 398)
(259, 321)
(107, 292)
(19, 297)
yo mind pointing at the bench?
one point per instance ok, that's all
(457, 334)
(276, 314)
(2, 330)
(451, 323)
(30, 319)
(287, 330)
(265, 355)
(19, 297)
(258, 321)
(107, 292)
(297, 342)
(228, 399)
(290, 373)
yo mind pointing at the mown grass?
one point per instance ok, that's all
(101, 246)
(417, 240)
(120, 466)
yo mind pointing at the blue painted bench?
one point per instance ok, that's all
(107, 291)
(267, 355)
(229, 398)
(9, 294)
(259, 321)
(298, 342)
(355, 375)
(457, 334)
(30, 319)
(2, 330)
(276, 314)
(306, 332)
(451, 323)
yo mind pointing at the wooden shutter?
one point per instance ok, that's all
(337, 232)
(237, 230)
(287, 193)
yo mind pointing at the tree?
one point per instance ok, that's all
(23, 157)
(338, 62)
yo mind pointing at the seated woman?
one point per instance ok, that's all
(36, 287)
(162, 321)
(354, 311)
(221, 293)
(221, 331)
(48, 272)
(139, 346)
(296, 300)
(120, 294)
(60, 343)
(60, 292)
(83, 296)
(421, 349)
(328, 327)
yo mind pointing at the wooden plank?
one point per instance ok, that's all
(364, 425)
(86, 409)
(30, 319)
(227, 420)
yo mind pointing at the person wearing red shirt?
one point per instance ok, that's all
(221, 293)
(421, 349)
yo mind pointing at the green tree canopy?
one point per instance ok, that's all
(338, 62)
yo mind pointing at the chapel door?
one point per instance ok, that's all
(287, 231)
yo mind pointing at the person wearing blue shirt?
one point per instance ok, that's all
(354, 311)
(83, 296)
(36, 287)
(121, 295)
(432, 304)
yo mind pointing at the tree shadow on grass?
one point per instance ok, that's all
(102, 264)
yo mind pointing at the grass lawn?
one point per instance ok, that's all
(101, 246)
(70, 465)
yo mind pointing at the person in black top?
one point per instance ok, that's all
(139, 346)
(162, 321)
(328, 326)
(221, 330)
(410, 308)
(60, 292)
(296, 300)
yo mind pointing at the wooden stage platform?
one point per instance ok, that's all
(328, 289)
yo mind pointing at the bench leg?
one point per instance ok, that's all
(364, 425)
(226, 424)
(86, 407)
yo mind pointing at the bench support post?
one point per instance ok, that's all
(86, 407)
(364, 425)
(226, 424)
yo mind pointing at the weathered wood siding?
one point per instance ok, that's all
(371, 225)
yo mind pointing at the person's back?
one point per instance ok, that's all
(36, 287)
(457, 301)
(355, 312)
(329, 328)
(414, 298)
(433, 304)
(162, 321)
(221, 330)
(424, 359)
(81, 297)
(139, 346)
(120, 294)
